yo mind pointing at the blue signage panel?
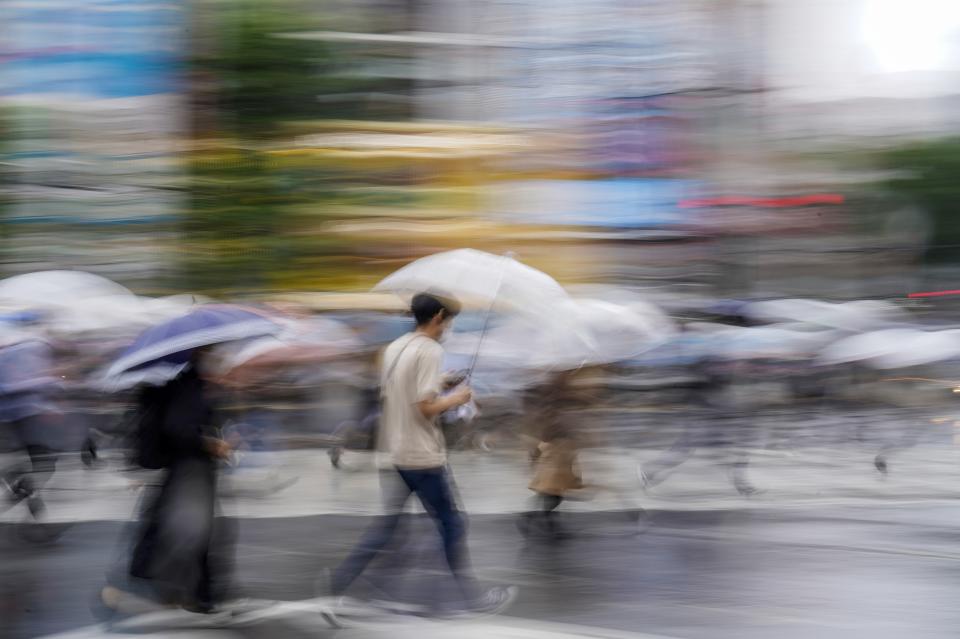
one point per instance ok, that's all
(617, 202)
(90, 48)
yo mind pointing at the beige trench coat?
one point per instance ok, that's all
(557, 471)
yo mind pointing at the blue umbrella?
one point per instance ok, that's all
(170, 345)
(727, 307)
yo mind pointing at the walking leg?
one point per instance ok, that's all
(396, 491)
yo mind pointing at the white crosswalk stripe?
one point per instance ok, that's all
(497, 483)
(304, 616)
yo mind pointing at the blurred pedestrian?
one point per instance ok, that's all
(176, 552)
(28, 412)
(360, 433)
(557, 442)
(712, 421)
(556, 474)
(411, 388)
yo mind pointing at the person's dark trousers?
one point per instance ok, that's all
(144, 549)
(31, 433)
(433, 487)
(544, 518)
(174, 543)
(549, 504)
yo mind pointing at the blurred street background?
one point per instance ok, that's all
(753, 203)
(690, 149)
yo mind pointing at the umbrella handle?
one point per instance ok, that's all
(486, 320)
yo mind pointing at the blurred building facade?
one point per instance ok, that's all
(574, 133)
(94, 118)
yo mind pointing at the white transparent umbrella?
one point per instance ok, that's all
(850, 316)
(577, 333)
(117, 315)
(925, 347)
(45, 289)
(618, 332)
(76, 302)
(766, 342)
(476, 276)
(895, 348)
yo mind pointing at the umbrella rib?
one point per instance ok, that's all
(486, 319)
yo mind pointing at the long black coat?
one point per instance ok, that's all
(174, 546)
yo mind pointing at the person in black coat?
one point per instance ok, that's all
(174, 554)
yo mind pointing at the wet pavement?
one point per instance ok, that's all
(865, 571)
(830, 548)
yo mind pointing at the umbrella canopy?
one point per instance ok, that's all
(726, 308)
(45, 289)
(117, 315)
(895, 348)
(76, 303)
(647, 320)
(171, 343)
(925, 347)
(850, 316)
(521, 344)
(476, 276)
(26, 367)
(298, 341)
(681, 349)
(576, 333)
(614, 332)
(12, 335)
(766, 342)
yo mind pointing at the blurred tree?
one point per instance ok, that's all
(259, 78)
(926, 176)
(245, 82)
(253, 65)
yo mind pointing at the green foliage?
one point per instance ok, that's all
(234, 226)
(252, 222)
(928, 174)
(237, 219)
(263, 77)
(260, 77)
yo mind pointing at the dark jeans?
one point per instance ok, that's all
(432, 486)
(32, 433)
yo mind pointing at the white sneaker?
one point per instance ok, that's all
(492, 602)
